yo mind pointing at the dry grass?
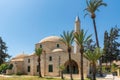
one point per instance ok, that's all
(29, 78)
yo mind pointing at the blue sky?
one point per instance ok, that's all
(23, 23)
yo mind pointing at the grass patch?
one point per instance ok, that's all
(26, 78)
(30, 78)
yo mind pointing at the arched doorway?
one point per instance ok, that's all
(74, 67)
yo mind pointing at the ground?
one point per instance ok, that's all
(14, 77)
(23, 77)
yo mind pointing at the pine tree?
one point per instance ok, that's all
(3, 50)
(111, 45)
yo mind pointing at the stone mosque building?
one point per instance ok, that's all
(54, 55)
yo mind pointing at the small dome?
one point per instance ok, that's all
(57, 50)
(21, 55)
(17, 59)
(51, 39)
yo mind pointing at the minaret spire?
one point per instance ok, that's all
(77, 24)
(77, 29)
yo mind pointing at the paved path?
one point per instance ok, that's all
(109, 77)
(116, 78)
(5, 76)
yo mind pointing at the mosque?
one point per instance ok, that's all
(54, 55)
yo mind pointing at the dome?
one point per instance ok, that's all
(17, 60)
(50, 39)
(57, 50)
(21, 55)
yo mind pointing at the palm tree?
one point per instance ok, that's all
(92, 7)
(93, 56)
(38, 52)
(62, 67)
(81, 39)
(67, 38)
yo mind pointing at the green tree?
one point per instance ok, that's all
(92, 7)
(3, 50)
(106, 44)
(114, 44)
(67, 38)
(93, 56)
(62, 68)
(114, 67)
(111, 45)
(38, 52)
(90, 45)
(3, 67)
(81, 39)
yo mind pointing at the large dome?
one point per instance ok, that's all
(50, 39)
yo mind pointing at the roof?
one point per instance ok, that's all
(50, 39)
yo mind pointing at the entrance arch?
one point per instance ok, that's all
(74, 67)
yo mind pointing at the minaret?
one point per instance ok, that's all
(77, 29)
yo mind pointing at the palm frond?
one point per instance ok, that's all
(80, 38)
(38, 51)
(67, 38)
(93, 56)
(88, 38)
(93, 5)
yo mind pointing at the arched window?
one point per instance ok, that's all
(50, 68)
(74, 67)
(28, 60)
(40, 45)
(50, 58)
(28, 68)
(58, 45)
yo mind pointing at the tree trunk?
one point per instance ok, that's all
(39, 65)
(96, 35)
(94, 71)
(110, 66)
(81, 60)
(97, 42)
(62, 75)
(70, 67)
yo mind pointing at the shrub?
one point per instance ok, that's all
(18, 73)
(10, 66)
(3, 67)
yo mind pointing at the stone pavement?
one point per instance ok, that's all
(109, 77)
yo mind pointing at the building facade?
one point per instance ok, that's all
(54, 55)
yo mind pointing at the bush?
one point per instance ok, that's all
(18, 73)
(10, 66)
(3, 68)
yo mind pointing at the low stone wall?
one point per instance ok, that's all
(9, 72)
